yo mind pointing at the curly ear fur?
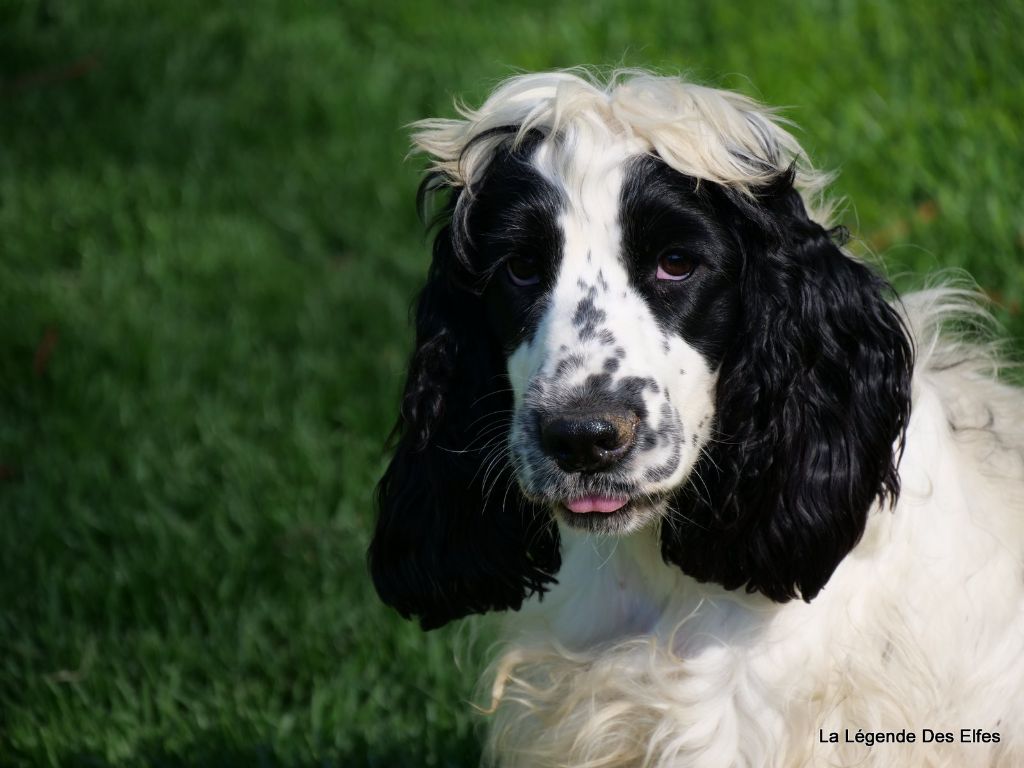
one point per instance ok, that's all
(812, 404)
(454, 536)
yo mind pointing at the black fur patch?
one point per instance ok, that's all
(664, 210)
(812, 400)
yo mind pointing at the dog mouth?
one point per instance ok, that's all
(596, 504)
(609, 513)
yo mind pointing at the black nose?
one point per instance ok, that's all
(588, 443)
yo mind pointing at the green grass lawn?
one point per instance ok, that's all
(207, 251)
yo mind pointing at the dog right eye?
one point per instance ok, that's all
(675, 265)
(523, 271)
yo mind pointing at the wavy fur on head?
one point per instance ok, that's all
(737, 494)
(703, 132)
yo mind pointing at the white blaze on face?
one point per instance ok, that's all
(595, 323)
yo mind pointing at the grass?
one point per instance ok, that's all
(207, 252)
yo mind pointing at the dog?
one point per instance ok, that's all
(743, 504)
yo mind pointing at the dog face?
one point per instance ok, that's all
(632, 319)
(612, 288)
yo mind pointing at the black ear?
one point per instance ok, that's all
(812, 403)
(454, 535)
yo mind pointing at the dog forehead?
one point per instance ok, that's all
(589, 170)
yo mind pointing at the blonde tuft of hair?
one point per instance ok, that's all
(707, 133)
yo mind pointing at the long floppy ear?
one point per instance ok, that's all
(812, 403)
(454, 535)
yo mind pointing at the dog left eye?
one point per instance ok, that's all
(675, 265)
(523, 271)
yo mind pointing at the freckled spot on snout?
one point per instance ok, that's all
(585, 312)
(569, 364)
(588, 316)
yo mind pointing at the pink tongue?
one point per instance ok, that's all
(595, 504)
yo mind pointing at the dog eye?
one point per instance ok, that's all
(675, 265)
(523, 271)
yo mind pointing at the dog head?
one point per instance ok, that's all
(632, 319)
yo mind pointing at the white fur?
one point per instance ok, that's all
(704, 132)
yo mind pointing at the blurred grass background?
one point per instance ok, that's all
(207, 252)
